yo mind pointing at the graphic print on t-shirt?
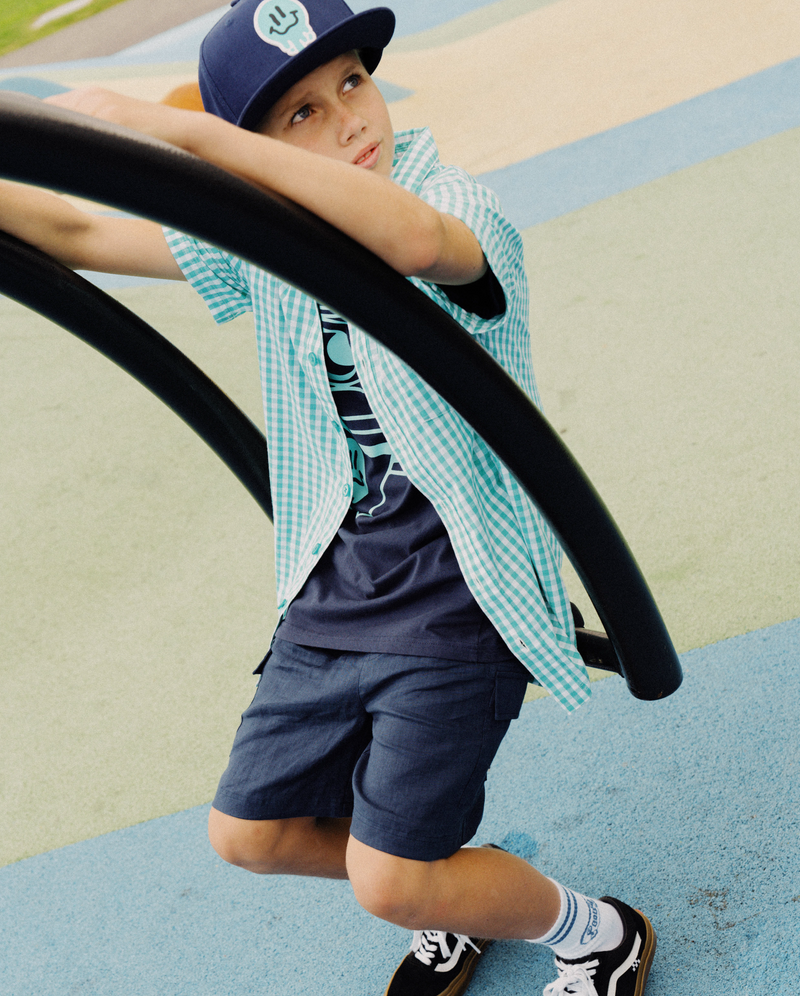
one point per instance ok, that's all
(372, 461)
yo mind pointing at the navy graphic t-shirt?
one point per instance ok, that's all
(390, 578)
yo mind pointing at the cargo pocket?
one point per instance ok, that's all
(263, 664)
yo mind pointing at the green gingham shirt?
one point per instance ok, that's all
(509, 557)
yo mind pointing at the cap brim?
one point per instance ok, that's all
(369, 32)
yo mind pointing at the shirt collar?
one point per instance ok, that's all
(415, 156)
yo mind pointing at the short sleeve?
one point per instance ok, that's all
(217, 276)
(453, 191)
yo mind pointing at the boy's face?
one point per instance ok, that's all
(337, 111)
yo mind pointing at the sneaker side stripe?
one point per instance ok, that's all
(623, 968)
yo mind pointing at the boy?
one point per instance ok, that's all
(396, 529)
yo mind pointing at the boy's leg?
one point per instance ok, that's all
(419, 798)
(299, 846)
(602, 947)
(293, 754)
(430, 765)
(480, 892)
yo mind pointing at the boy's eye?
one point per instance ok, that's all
(301, 115)
(351, 82)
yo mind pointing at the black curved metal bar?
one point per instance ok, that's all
(55, 148)
(39, 282)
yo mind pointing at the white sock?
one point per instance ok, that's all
(583, 926)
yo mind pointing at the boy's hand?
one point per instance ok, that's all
(93, 100)
(157, 120)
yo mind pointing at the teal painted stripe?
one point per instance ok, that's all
(563, 180)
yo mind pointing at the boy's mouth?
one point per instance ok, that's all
(369, 157)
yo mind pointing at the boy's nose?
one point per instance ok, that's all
(350, 126)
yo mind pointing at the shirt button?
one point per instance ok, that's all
(316, 549)
(346, 490)
(312, 359)
(335, 424)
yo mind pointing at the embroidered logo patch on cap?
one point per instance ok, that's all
(284, 24)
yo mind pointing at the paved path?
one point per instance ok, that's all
(109, 31)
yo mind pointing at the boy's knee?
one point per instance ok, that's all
(388, 887)
(390, 899)
(256, 845)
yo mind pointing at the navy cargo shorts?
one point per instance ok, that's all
(401, 744)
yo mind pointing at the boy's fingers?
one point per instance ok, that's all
(88, 100)
(130, 112)
(98, 103)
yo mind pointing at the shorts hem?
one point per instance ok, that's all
(407, 845)
(241, 809)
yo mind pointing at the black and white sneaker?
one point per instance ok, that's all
(622, 971)
(438, 964)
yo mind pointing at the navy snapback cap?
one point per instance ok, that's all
(259, 49)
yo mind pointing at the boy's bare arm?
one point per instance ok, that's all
(85, 241)
(408, 234)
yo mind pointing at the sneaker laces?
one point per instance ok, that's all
(426, 943)
(573, 980)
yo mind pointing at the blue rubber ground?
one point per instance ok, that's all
(688, 807)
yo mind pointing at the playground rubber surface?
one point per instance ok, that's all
(648, 153)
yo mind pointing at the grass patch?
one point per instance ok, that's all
(17, 17)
